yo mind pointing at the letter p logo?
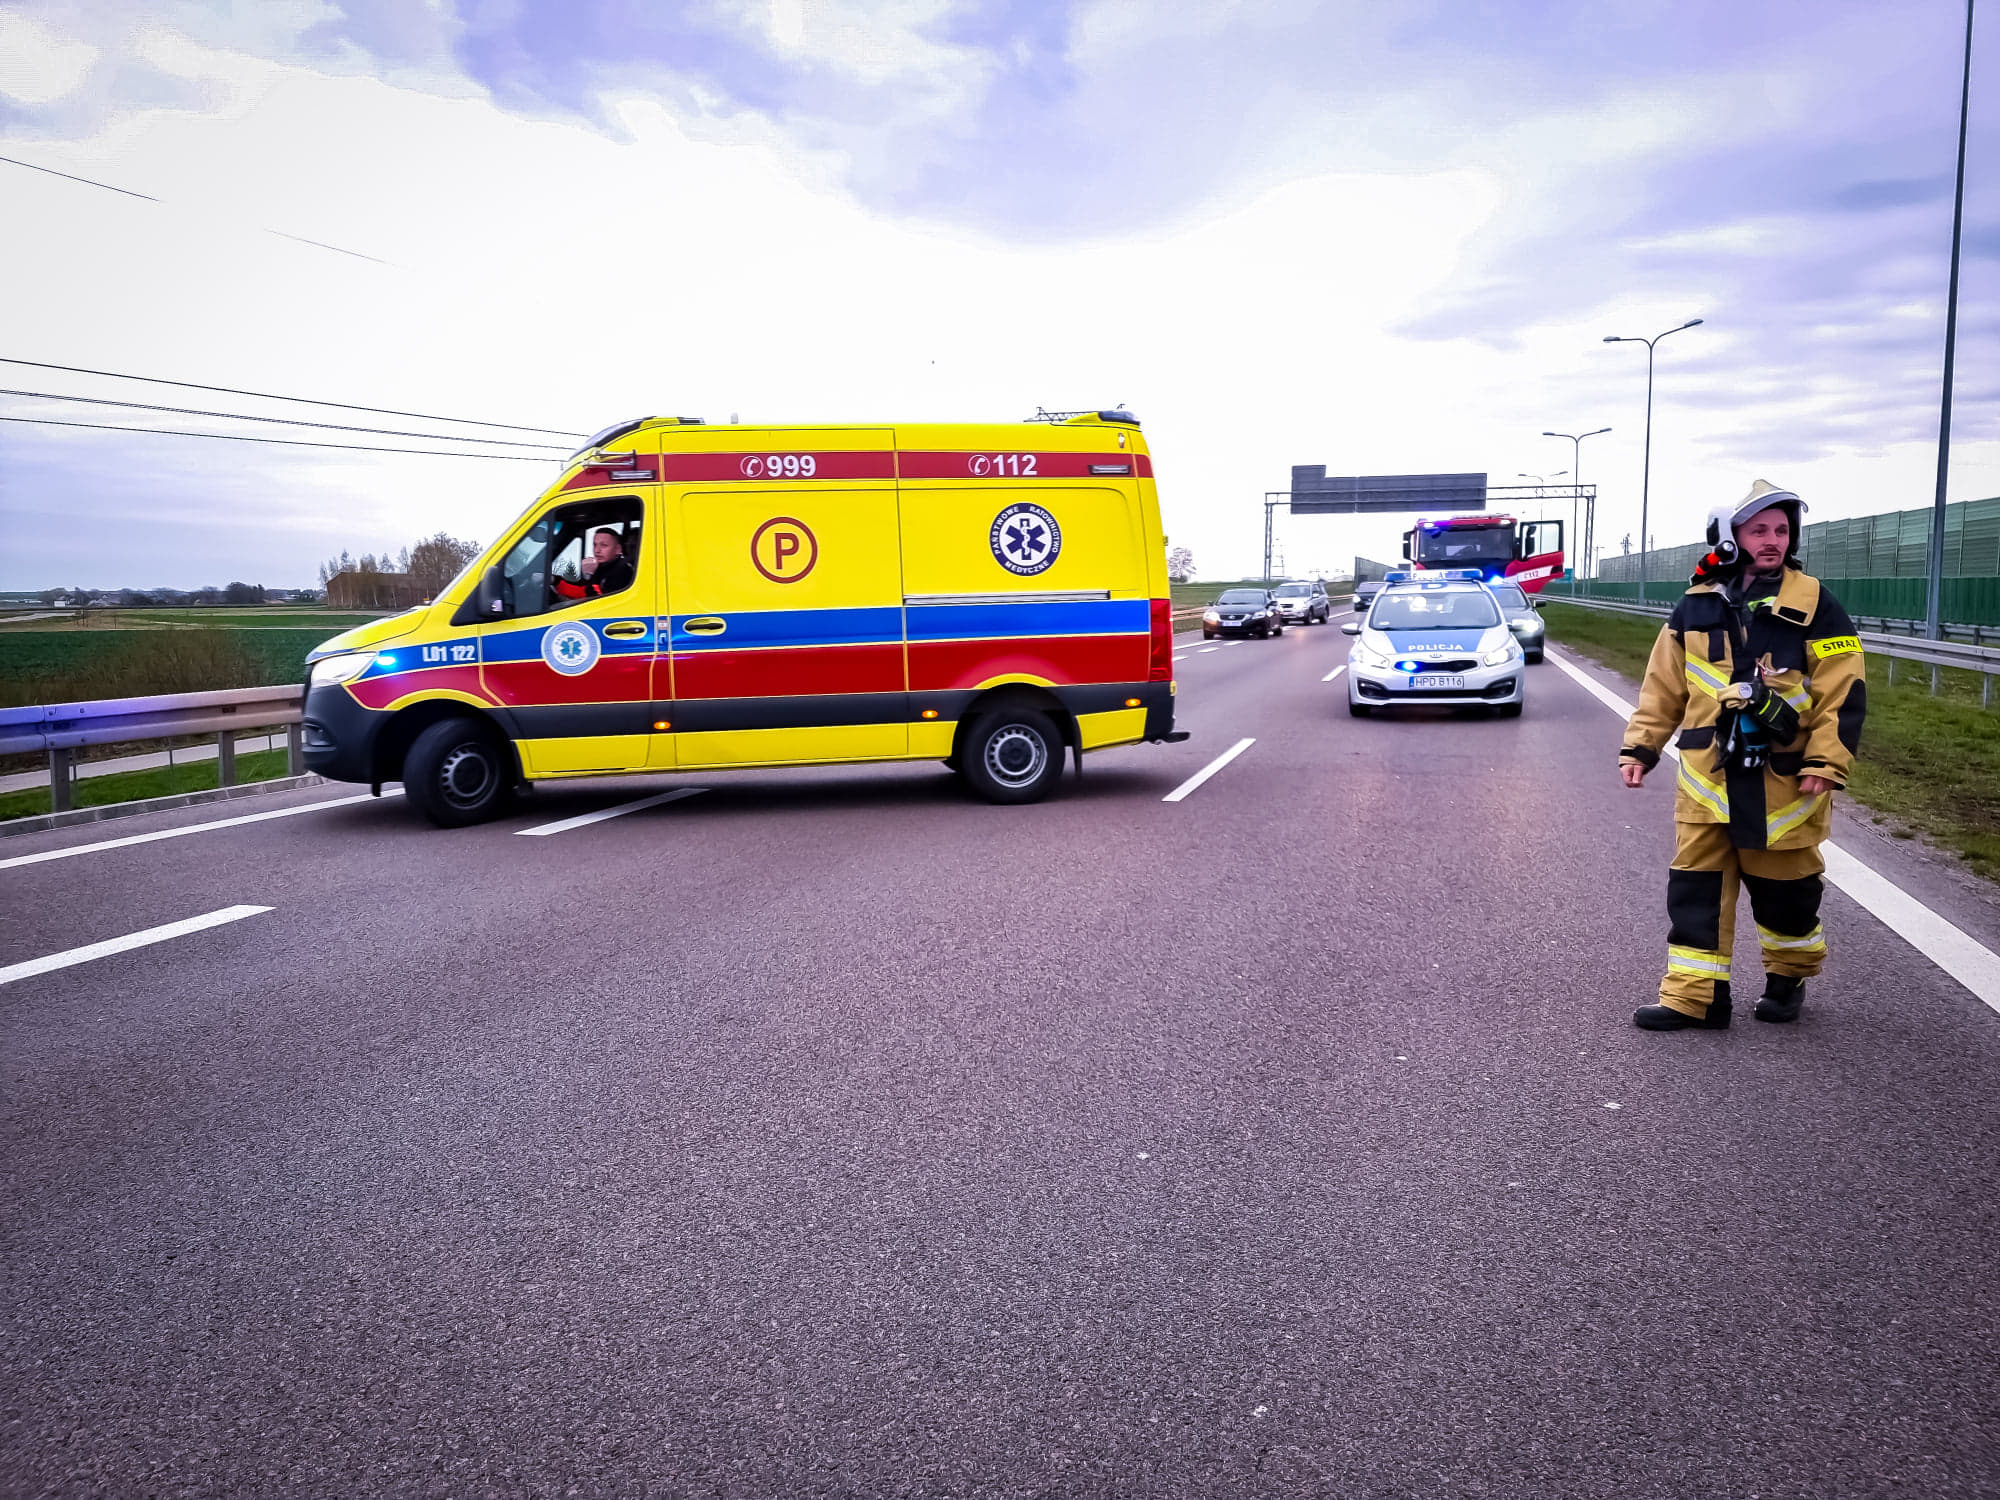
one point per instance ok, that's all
(784, 549)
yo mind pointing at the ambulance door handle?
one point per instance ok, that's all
(706, 625)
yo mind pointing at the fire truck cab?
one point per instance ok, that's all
(1529, 553)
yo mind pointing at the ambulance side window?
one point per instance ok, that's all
(584, 551)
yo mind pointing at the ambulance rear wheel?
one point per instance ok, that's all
(1012, 755)
(457, 773)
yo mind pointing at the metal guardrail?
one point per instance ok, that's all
(61, 729)
(1964, 656)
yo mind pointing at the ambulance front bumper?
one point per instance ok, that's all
(340, 735)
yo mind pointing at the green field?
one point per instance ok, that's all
(64, 666)
(1930, 765)
(269, 617)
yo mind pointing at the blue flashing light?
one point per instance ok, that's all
(1408, 666)
(384, 659)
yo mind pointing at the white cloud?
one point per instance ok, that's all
(37, 66)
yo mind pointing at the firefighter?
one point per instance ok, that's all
(1760, 670)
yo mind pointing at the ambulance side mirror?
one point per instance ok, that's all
(486, 602)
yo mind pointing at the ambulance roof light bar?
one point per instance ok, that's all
(1116, 414)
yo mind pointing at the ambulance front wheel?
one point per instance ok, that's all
(457, 773)
(1012, 755)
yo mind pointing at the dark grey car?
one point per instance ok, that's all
(1522, 617)
(1243, 612)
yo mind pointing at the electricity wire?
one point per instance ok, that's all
(71, 176)
(237, 416)
(231, 437)
(230, 390)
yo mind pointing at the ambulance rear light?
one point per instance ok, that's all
(1160, 662)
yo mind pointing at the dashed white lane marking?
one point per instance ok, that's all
(1334, 673)
(175, 833)
(110, 946)
(1950, 947)
(1206, 649)
(584, 820)
(1194, 781)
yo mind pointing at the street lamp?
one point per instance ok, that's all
(1646, 472)
(1585, 538)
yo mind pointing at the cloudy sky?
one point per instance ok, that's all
(1383, 237)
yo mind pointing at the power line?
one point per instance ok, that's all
(127, 192)
(337, 250)
(86, 181)
(230, 437)
(237, 416)
(230, 390)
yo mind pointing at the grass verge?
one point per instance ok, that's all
(1928, 765)
(164, 781)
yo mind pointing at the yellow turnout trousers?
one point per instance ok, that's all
(1785, 890)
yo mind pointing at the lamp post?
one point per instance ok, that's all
(1586, 537)
(1646, 471)
(1934, 610)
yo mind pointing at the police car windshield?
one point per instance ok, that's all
(1433, 609)
(1242, 596)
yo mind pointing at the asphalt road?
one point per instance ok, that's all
(830, 1133)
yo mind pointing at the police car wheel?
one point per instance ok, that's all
(456, 773)
(1012, 755)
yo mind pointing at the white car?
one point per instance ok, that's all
(1303, 603)
(1441, 641)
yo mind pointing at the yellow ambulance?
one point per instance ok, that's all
(688, 597)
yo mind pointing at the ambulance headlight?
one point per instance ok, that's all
(1499, 656)
(344, 668)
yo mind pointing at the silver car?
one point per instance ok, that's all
(1441, 642)
(1303, 603)
(1523, 618)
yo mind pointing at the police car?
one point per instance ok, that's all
(1437, 638)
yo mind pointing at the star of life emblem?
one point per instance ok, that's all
(571, 649)
(1025, 539)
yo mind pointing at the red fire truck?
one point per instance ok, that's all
(1529, 553)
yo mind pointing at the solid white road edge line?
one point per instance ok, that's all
(1208, 770)
(110, 946)
(1950, 947)
(1334, 673)
(174, 833)
(584, 820)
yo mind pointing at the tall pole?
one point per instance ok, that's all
(1646, 471)
(1934, 611)
(1576, 538)
(1646, 476)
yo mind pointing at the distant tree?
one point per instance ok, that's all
(1180, 564)
(243, 593)
(436, 560)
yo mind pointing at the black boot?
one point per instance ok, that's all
(1783, 996)
(1666, 1018)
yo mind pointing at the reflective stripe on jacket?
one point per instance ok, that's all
(1806, 648)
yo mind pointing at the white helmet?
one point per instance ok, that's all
(1724, 519)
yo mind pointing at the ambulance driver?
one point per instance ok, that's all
(605, 571)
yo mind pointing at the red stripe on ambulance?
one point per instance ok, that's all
(997, 464)
(795, 671)
(941, 666)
